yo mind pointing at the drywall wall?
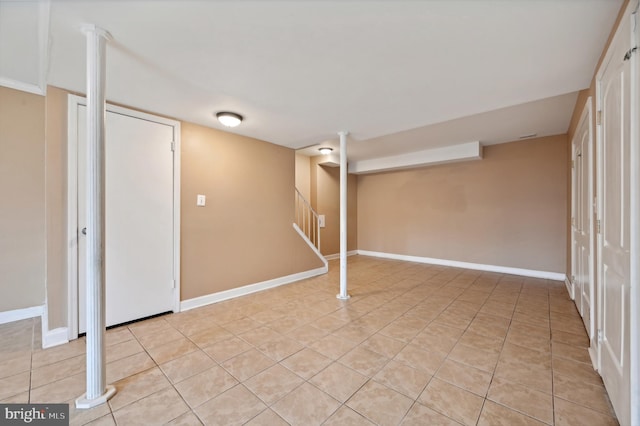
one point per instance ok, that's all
(325, 199)
(508, 209)
(244, 234)
(56, 205)
(303, 175)
(22, 190)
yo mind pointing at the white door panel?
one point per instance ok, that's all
(614, 213)
(586, 225)
(582, 223)
(138, 218)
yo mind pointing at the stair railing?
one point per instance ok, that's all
(307, 219)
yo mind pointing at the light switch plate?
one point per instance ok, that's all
(201, 201)
(321, 222)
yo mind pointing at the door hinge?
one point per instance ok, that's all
(173, 146)
(573, 164)
(599, 118)
(599, 336)
(173, 283)
(630, 52)
(598, 226)
(573, 221)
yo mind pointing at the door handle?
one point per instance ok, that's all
(84, 231)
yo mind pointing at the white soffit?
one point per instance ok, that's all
(331, 160)
(427, 157)
(545, 117)
(24, 42)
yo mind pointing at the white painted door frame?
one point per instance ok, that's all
(570, 281)
(74, 102)
(586, 118)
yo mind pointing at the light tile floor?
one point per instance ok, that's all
(415, 345)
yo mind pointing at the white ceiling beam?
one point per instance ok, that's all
(427, 157)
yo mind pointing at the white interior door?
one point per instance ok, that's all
(614, 214)
(571, 287)
(583, 220)
(139, 234)
(574, 291)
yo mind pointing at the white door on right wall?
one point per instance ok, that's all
(582, 221)
(614, 215)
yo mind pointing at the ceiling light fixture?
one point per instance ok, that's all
(325, 150)
(229, 119)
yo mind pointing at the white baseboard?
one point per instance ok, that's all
(55, 337)
(556, 276)
(337, 255)
(593, 355)
(570, 289)
(197, 302)
(20, 314)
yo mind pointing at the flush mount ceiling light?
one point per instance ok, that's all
(229, 119)
(325, 150)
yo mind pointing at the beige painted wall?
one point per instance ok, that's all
(508, 209)
(244, 234)
(56, 205)
(325, 199)
(303, 175)
(22, 190)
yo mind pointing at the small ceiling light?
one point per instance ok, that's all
(325, 150)
(229, 119)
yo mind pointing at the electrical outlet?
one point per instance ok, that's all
(201, 201)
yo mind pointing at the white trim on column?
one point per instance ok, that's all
(21, 314)
(556, 276)
(208, 299)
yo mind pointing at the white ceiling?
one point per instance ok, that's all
(400, 76)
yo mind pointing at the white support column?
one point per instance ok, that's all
(97, 390)
(343, 216)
